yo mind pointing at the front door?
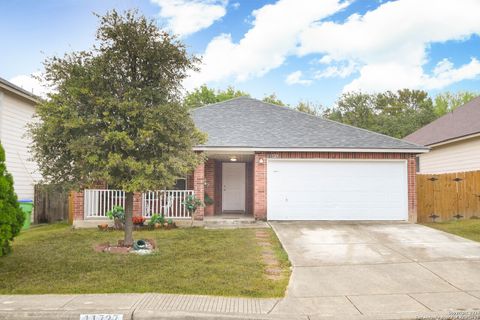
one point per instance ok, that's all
(233, 186)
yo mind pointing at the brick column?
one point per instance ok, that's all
(199, 189)
(210, 185)
(260, 186)
(412, 189)
(137, 204)
(77, 205)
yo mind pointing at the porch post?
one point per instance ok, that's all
(260, 186)
(199, 189)
(76, 206)
(210, 181)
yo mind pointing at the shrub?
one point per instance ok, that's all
(192, 203)
(156, 218)
(118, 216)
(117, 213)
(138, 220)
(11, 216)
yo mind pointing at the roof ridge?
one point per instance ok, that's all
(289, 112)
(342, 124)
(212, 104)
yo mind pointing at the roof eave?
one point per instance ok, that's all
(277, 149)
(10, 87)
(456, 139)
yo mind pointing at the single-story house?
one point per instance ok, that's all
(454, 141)
(280, 164)
(275, 163)
(17, 107)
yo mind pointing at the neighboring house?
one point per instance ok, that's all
(454, 140)
(17, 107)
(276, 163)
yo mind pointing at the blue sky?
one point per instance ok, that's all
(310, 50)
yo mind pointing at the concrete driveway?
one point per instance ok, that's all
(372, 269)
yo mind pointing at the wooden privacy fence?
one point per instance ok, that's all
(448, 196)
(51, 204)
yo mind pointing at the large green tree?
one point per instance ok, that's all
(273, 99)
(116, 114)
(308, 107)
(204, 95)
(396, 114)
(447, 101)
(11, 216)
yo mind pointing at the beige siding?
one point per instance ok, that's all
(15, 113)
(453, 157)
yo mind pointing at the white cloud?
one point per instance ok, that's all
(390, 44)
(445, 73)
(296, 78)
(185, 17)
(340, 71)
(272, 38)
(326, 59)
(29, 83)
(236, 5)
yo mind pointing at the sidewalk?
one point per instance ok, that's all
(133, 306)
(150, 306)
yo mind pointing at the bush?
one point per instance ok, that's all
(118, 216)
(11, 216)
(138, 221)
(156, 218)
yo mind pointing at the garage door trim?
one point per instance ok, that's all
(405, 182)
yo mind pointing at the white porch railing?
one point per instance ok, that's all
(168, 202)
(97, 202)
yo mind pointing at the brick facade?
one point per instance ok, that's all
(199, 189)
(260, 173)
(76, 198)
(203, 181)
(210, 185)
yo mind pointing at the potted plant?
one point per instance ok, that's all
(118, 216)
(207, 200)
(156, 221)
(192, 203)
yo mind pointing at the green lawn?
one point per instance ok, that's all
(469, 229)
(58, 259)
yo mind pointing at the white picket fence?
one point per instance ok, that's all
(97, 202)
(170, 203)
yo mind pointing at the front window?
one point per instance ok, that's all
(180, 184)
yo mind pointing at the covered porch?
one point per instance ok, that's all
(227, 183)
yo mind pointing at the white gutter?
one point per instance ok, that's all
(18, 92)
(253, 149)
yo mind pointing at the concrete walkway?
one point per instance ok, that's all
(378, 270)
(168, 306)
(132, 306)
(340, 271)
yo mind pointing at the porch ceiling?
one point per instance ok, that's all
(241, 157)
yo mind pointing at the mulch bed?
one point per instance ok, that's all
(119, 248)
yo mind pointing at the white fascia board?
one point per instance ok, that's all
(249, 149)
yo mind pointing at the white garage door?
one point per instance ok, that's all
(336, 190)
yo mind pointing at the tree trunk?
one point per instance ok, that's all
(128, 240)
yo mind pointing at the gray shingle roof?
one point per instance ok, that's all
(461, 122)
(250, 123)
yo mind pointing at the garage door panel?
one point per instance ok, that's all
(336, 190)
